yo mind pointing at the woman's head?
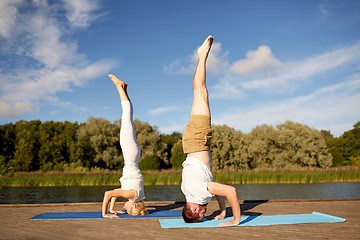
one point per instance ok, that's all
(135, 208)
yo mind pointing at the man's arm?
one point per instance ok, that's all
(230, 193)
(222, 207)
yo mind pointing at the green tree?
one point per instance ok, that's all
(7, 145)
(56, 139)
(221, 147)
(150, 143)
(327, 134)
(258, 147)
(26, 146)
(239, 153)
(150, 162)
(170, 140)
(99, 141)
(177, 155)
(345, 148)
(289, 145)
(304, 146)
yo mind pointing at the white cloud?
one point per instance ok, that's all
(47, 46)
(43, 82)
(8, 14)
(334, 108)
(323, 12)
(217, 60)
(162, 110)
(80, 13)
(261, 59)
(178, 67)
(226, 89)
(11, 109)
(297, 71)
(65, 105)
(261, 70)
(47, 59)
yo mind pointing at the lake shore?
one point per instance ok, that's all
(15, 223)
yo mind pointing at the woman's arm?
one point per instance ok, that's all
(128, 194)
(230, 193)
(112, 205)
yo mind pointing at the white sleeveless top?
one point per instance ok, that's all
(132, 179)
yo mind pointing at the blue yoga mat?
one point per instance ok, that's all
(314, 217)
(98, 215)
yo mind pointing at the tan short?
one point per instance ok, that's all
(197, 134)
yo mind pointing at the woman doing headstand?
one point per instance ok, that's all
(132, 182)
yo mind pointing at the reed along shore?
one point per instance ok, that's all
(173, 177)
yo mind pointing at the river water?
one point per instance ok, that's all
(31, 195)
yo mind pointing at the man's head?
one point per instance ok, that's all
(193, 212)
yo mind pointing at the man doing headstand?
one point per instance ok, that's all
(197, 180)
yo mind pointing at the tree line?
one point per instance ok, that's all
(67, 146)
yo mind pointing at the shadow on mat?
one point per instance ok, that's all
(245, 207)
(166, 207)
(250, 204)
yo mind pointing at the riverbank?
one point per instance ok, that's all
(151, 229)
(173, 177)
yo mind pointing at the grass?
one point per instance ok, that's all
(173, 177)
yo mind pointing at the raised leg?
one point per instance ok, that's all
(200, 105)
(121, 87)
(130, 148)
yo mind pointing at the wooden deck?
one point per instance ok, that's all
(15, 223)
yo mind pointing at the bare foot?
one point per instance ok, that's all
(121, 87)
(204, 49)
(118, 83)
(218, 217)
(230, 223)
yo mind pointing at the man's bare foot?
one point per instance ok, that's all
(229, 223)
(118, 83)
(218, 217)
(204, 49)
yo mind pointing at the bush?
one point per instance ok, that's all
(150, 162)
(177, 155)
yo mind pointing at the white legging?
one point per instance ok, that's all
(130, 148)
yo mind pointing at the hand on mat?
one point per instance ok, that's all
(110, 216)
(229, 223)
(117, 212)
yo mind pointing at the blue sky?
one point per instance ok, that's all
(271, 61)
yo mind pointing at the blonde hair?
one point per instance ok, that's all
(139, 209)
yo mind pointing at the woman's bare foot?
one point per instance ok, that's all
(121, 87)
(118, 83)
(204, 49)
